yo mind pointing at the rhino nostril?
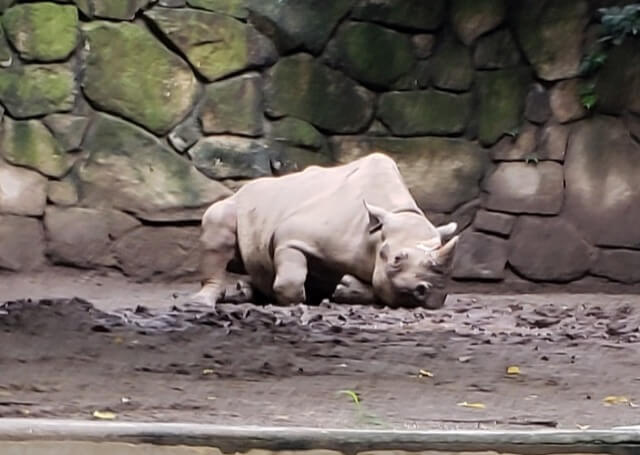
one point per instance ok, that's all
(421, 289)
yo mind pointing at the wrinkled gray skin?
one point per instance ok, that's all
(357, 221)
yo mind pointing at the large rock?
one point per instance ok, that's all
(553, 142)
(451, 67)
(130, 170)
(301, 87)
(294, 24)
(226, 157)
(287, 158)
(235, 8)
(479, 257)
(62, 193)
(602, 165)
(519, 148)
(424, 112)
(496, 50)
(372, 54)
(296, 132)
(233, 106)
(501, 102)
(21, 243)
(34, 90)
(22, 192)
(618, 81)
(29, 143)
(550, 33)
(130, 73)
(215, 44)
(42, 31)
(414, 14)
(565, 101)
(441, 173)
(549, 249)
(494, 222)
(526, 188)
(472, 18)
(83, 237)
(618, 265)
(117, 9)
(159, 251)
(68, 129)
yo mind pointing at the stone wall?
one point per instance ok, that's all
(124, 119)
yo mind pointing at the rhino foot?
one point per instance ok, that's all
(352, 291)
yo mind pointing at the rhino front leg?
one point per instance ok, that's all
(352, 291)
(291, 274)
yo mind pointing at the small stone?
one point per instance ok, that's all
(537, 108)
(377, 128)
(472, 18)
(139, 256)
(235, 8)
(44, 31)
(526, 188)
(412, 14)
(35, 90)
(451, 67)
(233, 106)
(21, 243)
(62, 193)
(373, 54)
(68, 129)
(225, 157)
(185, 134)
(423, 45)
(549, 249)
(83, 237)
(479, 257)
(297, 132)
(553, 142)
(424, 112)
(519, 148)
(117, 9)
(496, 50)
(29, 143)
(618, 265)
(22, 192)
(565, 102)
(494, 222)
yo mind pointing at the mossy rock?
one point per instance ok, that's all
(296, 132)
(372, 54)
(451, 67)
(414, 14)
(68, 129)
(130, 73)
(4, 4)
(233, 106)
(29, 143)
(117, 9)
(496, 50)
(215, 44)
(618, 82)
(229, 157)
(34, 90)
(235, 8)
(44, 32)
(472, 18)
(131, 170)
(418, 78)
(294, 24)
(550, 34)
(424, 112)
(301, 87)
(502, 95)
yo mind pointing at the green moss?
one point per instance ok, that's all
(33, 90)
(129, 72)
(373, 54)
(42, 31)
(30, 144)
(235, 8)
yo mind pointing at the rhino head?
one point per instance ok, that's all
(410, 258)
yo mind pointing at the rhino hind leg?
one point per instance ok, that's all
(352, 291)
(291, 274)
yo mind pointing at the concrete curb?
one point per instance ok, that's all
(231, 439)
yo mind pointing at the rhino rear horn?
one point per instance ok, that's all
(377, 216)
(445, 252)
(447, 230)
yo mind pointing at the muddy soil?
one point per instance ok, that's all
(102, 343)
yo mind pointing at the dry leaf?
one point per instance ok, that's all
(125, 400)
(464, 404)
(207, 371)
(513, 370)
(464, 358)
(425, 374)
(211, 398)
(615, 399)
(104, 415)
(633, 405)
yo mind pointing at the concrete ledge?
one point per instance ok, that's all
(231, 439)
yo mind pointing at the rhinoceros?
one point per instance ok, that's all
(351, 232)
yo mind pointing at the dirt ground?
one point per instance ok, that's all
(72, 343)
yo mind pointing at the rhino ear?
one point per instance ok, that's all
(377, 216)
